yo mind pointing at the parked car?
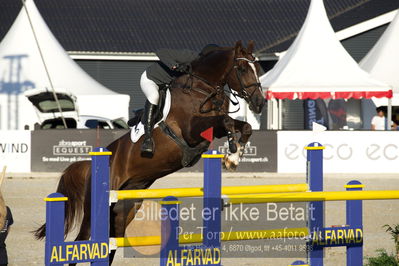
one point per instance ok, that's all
(49, 115)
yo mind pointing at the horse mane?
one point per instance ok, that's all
(213, 63)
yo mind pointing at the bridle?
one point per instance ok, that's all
(243, 93)
(219, 89)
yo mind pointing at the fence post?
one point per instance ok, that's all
(354, 218)
(212, 201)
(170, 249)
(55, 216)
(100, 198)
(314, 176)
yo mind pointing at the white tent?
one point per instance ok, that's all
(317, 66)
(24, 66)
(382, 61)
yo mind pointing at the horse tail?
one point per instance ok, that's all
(72, 185)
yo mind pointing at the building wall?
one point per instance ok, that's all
(119, 76)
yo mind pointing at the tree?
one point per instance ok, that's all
(394, 231)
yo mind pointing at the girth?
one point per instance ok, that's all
(191, 155)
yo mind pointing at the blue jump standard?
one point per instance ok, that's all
(351, 235)
(209, 252)
(96, 250)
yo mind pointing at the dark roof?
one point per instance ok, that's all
(147, 25)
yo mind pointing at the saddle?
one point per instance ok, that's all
(138, 113)
(191, 155)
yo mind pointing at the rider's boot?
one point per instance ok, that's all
(147, 148)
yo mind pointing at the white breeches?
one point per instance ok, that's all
(149, 88)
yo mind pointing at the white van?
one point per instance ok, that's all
(49, 115)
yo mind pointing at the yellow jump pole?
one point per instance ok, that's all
(302, 232)
(116, 195)
(313, 196)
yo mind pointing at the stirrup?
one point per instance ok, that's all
(147, 148)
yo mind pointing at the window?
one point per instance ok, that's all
(119, 123)
(57, 123)
(94, 123)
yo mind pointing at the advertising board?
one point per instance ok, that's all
(15, 150)
(54, 150)
(346, 151)
(260, 154)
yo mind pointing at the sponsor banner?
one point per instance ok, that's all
(315, 111)
(346, 151)
(15, 150)
(54, 150)
(260, 154)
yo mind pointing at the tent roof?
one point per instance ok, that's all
(137, 26)
(20, 57)
(317, 66)
(382, 61)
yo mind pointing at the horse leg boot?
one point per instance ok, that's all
(230, 131)
(147, 148)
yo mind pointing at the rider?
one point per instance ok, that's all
(173, 63)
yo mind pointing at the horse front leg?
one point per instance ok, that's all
(245, 130)
(232, 126)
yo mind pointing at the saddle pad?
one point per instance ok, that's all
(138, 130)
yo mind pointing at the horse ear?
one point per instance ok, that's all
(238, 47)
(251, 45)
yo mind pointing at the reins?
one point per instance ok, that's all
(210, 96)
(219, 89)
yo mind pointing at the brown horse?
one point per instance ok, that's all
(199, 101)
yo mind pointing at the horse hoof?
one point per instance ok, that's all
(224, 163)
(233, 167)
(229, 166)
(229, 163)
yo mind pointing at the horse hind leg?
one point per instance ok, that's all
(122, 213)
(84, 231)
(85, 226)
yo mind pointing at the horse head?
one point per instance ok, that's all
(234, 66)
(243, 77)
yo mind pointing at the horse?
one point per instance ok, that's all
(3, 208)
(198, 101)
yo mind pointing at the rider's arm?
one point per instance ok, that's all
(176, 59)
